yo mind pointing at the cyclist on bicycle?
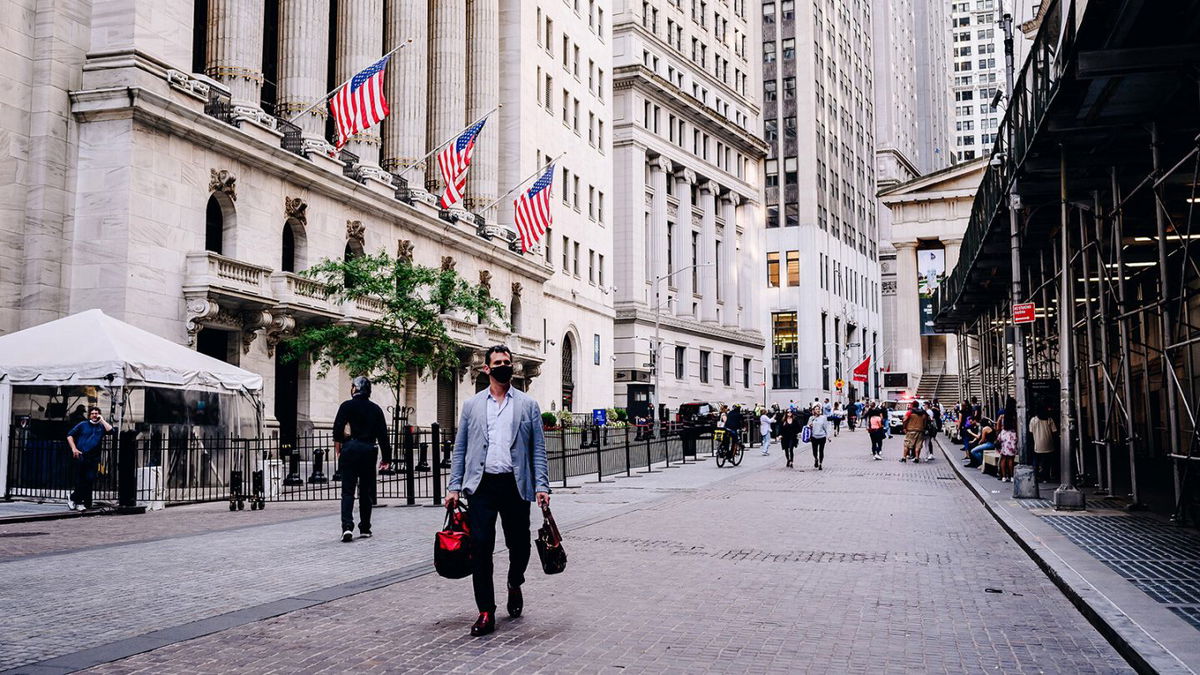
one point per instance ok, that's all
(734, 422)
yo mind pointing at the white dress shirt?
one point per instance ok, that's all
(499, 435)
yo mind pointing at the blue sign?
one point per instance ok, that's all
(600, 417)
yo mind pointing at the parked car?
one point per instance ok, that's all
(698, 415)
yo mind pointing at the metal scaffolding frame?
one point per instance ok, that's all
(1099, 162)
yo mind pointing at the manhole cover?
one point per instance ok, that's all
(21, 534)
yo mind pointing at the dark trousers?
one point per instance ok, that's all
(789, 447)
(83, 472)
(877, 442)
(1045, 466)
(818, 448)
(497, 496)
(357, 465)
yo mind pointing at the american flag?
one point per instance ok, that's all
(360, 103)
(532, 210)
(454, 160)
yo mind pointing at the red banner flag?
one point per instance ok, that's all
(861, 370)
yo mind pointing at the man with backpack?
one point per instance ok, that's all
(876, 422)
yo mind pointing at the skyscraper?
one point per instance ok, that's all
(821, 281)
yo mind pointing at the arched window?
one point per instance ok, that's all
(568, 372)
(214, 227)
(354, 249)
(288, 259)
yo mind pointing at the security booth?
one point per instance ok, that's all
(181, 420)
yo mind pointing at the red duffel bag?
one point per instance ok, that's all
(452, 546)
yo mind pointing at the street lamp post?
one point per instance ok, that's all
(656, 357)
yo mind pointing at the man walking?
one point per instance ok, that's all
(84, 440)
(914, 432)
(499, 465)
(356, 453)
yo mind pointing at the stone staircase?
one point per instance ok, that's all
(942, 387)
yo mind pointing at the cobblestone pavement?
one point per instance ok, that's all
(862, 567)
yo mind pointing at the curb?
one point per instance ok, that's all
(1143, 652)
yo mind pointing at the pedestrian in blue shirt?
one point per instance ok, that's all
(84, 440)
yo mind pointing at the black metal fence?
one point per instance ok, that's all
(182, 466)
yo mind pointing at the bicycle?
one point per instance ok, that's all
(729, 448)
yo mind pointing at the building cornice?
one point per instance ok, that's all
(643, 79)
(747, 338)
(152, 110)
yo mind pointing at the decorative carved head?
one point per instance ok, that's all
(221, 180)
(516, 289)
(404, 250)
(485, 280)
(295, 208)
(448, 263)
(355, 231)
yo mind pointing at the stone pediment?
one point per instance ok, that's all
(951, 181)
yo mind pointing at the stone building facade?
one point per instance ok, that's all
(687, 179)
(167, 164)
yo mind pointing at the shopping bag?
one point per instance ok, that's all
(549, 545)
(806, 435)
(452, 546)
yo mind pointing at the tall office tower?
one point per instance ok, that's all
(687, 180)
(821, 273)
(978, 67)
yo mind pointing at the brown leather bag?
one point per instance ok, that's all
(549, 545)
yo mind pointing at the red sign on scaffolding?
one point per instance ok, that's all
(1023, 312)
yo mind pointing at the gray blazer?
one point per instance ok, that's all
(470, 446)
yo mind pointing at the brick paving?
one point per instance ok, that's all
(863, 567)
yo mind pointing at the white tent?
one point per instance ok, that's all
(92, 348)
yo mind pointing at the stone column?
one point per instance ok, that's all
(235, 45)
(447, 79)
(406, 87)
(730, 294)
(632, 226)
(359, 44)
(708, 239)
(751, 267)
(952, 250)
(483, 93)
(303, 65)
(685, 293)
(660, 167)
(908, 310)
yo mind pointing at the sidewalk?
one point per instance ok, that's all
(1135, 576)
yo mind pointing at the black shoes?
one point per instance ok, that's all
(486, 623)
(516, 601)
(347, 536)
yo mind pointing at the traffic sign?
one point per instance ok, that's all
(1023, 312)
(839, 383)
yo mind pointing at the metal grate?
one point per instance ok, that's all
(1160, 560)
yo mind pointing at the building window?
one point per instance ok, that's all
(769, 91)
(726, 370)
(768, 52)
(680, 364)
(789, 48)
(773, 269)
(746, 373)
(575, 260)
(793, 268)
(784, 350)
(772, 216)
(704, 367)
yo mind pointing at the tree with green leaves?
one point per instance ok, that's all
(409, 333)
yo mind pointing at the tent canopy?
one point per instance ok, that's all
(94, 348)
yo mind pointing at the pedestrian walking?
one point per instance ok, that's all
(836, 416)
(764, 428)
(789, 434)
(84, 440)
(931, 430)
(818, 426)
(914, 432)
(851, 415)
(876, 422)
(356, 454)
(499, 465)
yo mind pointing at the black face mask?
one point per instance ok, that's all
(502, 374)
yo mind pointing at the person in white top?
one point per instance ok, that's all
(1043, 429)
(764, 427)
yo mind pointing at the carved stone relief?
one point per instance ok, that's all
(485, 280)
(295, 208)
(221, 180)
(355, 231)
(404, 250)
(448, 263)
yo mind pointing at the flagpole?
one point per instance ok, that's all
(523, 181)
(458, 133)
(324, 98)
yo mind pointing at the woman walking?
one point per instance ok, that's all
(818, 425)
(764, 428)
(836, 417)
(789, 432)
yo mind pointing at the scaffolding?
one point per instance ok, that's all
(1098, 160)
